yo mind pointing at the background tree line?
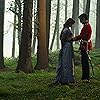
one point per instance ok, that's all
(33, 23)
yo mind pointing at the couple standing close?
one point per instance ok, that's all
(65, 68)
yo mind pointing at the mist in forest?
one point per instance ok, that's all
(9, 19)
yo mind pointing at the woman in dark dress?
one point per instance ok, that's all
(65, 73)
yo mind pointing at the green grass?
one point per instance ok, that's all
(36, 86)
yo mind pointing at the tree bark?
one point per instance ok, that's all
(58, 35)
(97, 41)
(35, 25)
(66, 4)
(2, 9)
(56, 25)
(14, 32)
(24, 62)
(19, 21)
(84, 5)
(48, 15)
(42, 53)
(75, 14)
(88, 7)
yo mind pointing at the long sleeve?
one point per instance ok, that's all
(85, 33)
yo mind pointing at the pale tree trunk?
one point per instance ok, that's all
(2, 9)
(56, 25)
(66, 4)
(24, 62)
(75, 14)
(42, 53)
(14, 33)
(36, 9)
(84, 5)
(97, 42)
(18, 12)
(88, 7)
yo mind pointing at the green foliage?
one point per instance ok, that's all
(37, 86)
(53, 60)
(95, 56)
(10, 62)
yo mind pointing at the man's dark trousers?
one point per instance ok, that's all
(85, 65)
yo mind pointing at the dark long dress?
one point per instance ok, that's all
(65, 73)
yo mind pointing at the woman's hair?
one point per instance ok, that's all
(69, 21)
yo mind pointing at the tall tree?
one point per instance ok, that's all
(58, 35)
(18, 14)
(75, 15)
(19, 5)
(36, 25)
(97, 42)
(48, 15)
(42, 53)
(14, 32)
(66, 4)
(56, 25)
(24, 62)
(2, 9)
(84, 5)
(88, 7)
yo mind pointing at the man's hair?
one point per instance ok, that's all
(84, 15)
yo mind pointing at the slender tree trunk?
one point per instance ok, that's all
(42, 53)
(75, 14)
(25, 63)
(35, 25)
(14, 33)
(19, 22)
(88, 7)
(97, 42)
(66, 4)
(57, 22)
(48, 15)
(58, 46)
(84, 5)
(2, 9)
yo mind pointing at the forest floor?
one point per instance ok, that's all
(37, 86)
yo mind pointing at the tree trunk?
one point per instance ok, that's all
(24, 62)
(19, 22)
(66, 4)
(57, 22)
(58, 45)
(2, 9)
(88, 7)
(35, 25)
(42, 53)
(34, 44)
(97, 42)
(48, 15)
(14, 33)
(75, 14)
(84, 5)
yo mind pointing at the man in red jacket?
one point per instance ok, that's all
(85, 45)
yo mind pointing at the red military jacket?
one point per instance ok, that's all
(85, 37)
